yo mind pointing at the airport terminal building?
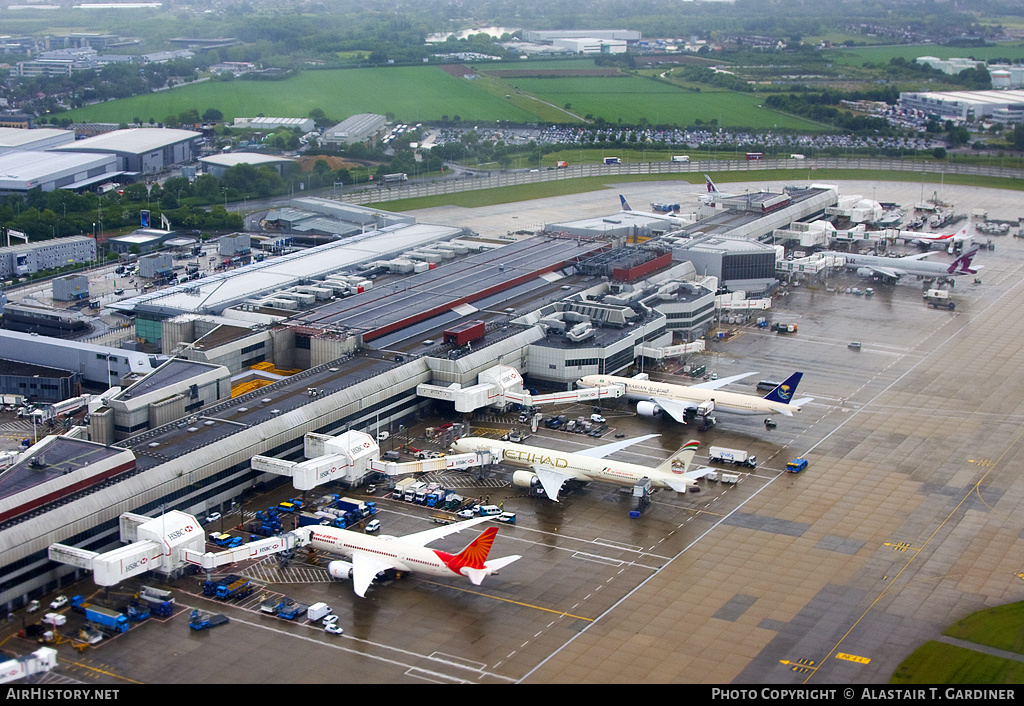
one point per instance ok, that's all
(363, 325)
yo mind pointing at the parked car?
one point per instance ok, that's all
(466, 514)
(213, 517)
(33, 606)
(58, 602)
(333, 629)
(373, 525)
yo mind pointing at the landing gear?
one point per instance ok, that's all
(705, 423)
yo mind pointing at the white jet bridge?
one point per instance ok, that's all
(42, 660)
(166, 544)
(355, 453)
(502, 386)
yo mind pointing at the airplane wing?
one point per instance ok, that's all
(552, 480)
(893, 272)
(365, 568)
(425, 537)
(609, 449)
(676, 410)
(720, 382)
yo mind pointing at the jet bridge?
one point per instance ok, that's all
(502, 386)
(165, 544)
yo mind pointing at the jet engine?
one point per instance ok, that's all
(648, 409)
(865, 271)
(525, 479)
(340, 569)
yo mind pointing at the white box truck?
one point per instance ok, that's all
(317, 611)
(740, 458)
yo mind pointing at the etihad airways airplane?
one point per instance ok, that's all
(372, 555)
(683, 402)
(551, 469)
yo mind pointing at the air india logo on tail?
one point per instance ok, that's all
(473, 556)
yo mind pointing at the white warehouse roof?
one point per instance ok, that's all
(20, 171)
(214, 294)
(133, 140)
(12, 138)
(231, 159)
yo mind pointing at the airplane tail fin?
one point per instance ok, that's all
(625, 206)
(681, 459)
(962, 265)
(710, 184)
(785, 391)
(472, 561)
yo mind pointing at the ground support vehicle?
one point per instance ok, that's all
(796, 465)
(939, 299)
(202, 621)
(100, 617)
(724, 455)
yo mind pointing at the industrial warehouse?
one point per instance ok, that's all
(414, 325)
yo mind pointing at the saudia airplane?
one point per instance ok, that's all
(684, 401)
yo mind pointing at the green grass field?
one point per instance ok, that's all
(1001, 627)
(633, 98)
(857, 56)
(939, 663)
(412, 94)
(935, 662)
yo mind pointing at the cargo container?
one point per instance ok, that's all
(464, 333)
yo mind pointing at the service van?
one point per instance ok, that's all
(681, 158)
(487, 510)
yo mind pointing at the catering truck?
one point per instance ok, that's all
(740, 458)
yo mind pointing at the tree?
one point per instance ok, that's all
(1018, 137)
(212, 115)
